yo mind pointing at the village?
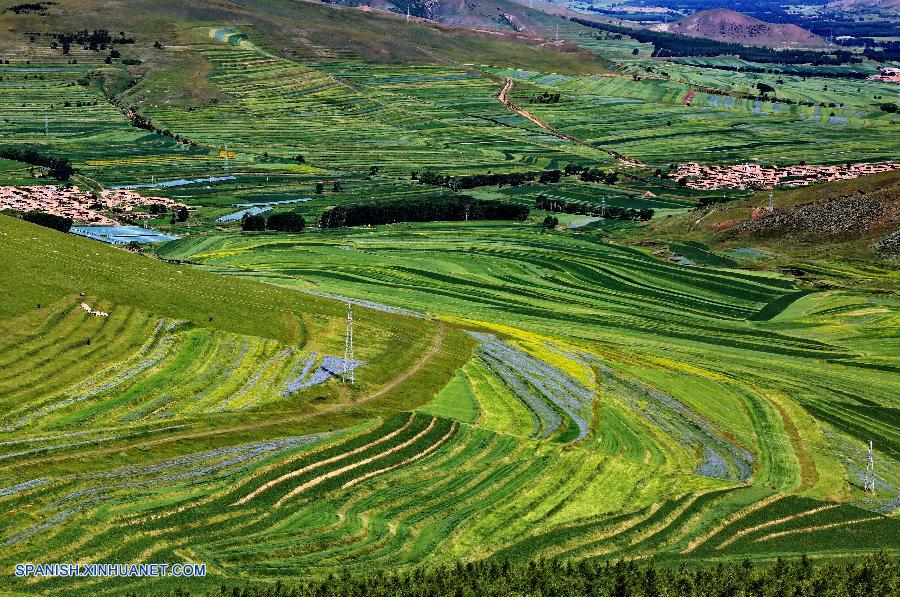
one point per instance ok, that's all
(756, 176)
(85, 206)
(887, 75)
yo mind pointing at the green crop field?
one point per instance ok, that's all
(683, 389)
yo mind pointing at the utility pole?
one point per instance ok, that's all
(869, 480)
(347, 374)
(603, 211)
(557, 32)
(226, 157)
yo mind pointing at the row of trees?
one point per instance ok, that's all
(96, 40)
(418, 209)
(515, 179)
(672, 44)
(58, 168)
(788, 70)
(288, 221)
(27, 7)
(612, 212)
(142, 122)
(61, 223)
(499, 179)
(875, 576)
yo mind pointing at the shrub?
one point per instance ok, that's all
(288, 221)
(252, 223)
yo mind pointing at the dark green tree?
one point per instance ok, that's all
(288, 221)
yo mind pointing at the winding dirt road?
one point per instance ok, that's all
(503, 97)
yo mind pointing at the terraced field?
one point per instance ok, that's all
(716, 128)
(731, 385)
(519, 392)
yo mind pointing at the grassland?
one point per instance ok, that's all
(562, 393)
(686, 429)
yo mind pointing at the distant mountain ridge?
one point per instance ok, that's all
(722, 24)
(886, 6)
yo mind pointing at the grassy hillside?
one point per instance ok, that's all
(184, 321)
(674, 390)
(829, 232)
(297, 30)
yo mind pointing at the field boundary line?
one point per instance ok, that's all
(731, 520)
(770, 523)
(322, 478)
(321, 463)
(418, 456)
(813, 529)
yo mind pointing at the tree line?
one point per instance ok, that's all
(42, 218)
(515, 179)
(612, 212)
(96, 40)
(877, 575)
(789, 71)
(288, 221)
(673, 44)
(58, 168)
(420, 209)
(499, 179)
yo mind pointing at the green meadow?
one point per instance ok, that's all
(519, 392)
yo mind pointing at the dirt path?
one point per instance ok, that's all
(434, 350)
(503, 98)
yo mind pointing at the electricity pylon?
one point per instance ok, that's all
(347, 374)
(869, 480)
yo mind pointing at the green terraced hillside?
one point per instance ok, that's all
(696, 388)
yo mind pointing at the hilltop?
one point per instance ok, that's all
(297, 30)
(722, 24)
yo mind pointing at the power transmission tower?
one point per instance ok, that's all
(46, 125)
(869, 480)
(347, 374)
(603, 210)
(226, 157)
(771, 200)
(407, 14)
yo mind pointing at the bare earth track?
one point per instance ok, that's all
(503, 97)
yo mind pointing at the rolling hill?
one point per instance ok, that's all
(299, 31)
(733, 27)
(813, 229)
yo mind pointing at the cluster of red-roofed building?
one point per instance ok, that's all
(83, 206)
(887, 75)
(756, 176)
